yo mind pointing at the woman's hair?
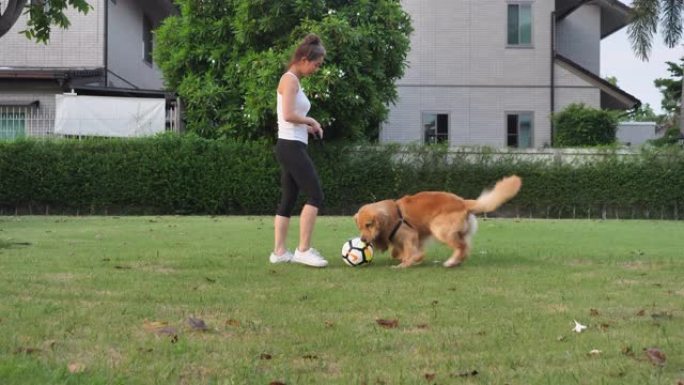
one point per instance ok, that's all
(311, 48)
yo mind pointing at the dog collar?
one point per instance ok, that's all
(399, 223)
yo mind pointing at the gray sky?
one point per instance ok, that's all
(635, 76)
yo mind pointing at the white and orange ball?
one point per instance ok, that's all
(356, 252)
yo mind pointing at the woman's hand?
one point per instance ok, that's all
(315, 128)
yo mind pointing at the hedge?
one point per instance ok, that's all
(190, 175)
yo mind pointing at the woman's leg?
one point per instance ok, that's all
(281, 225)
(307, 221)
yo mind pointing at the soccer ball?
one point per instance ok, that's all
(356, 252)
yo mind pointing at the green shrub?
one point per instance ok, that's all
(581, 126)
(192, 175)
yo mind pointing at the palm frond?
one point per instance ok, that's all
(643, 25)
(671, 21)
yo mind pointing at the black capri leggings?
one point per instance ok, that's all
(297, 172)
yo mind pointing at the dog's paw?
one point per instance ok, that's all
(451, 263)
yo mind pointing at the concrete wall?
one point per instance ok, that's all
(126, 67)
(579, 37)
(460, 64)
(79, 47)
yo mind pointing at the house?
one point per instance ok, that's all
(107, 52)
(491, 72)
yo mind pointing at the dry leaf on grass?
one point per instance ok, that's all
(641, 313)
(233, 322)
(22, 349)
(76, 367)
(627, 350)
(578, 327)
(387, 323)
(161, 328)
(197, 324)
(265, 356)
(276, 383)
(656, 356)
(470, 373)
(430, 376)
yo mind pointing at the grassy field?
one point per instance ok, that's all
(107, 300)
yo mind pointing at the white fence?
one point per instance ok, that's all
(31, 121)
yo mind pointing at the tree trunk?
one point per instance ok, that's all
(10, 15)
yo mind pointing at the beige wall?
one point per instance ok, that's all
(79, 47)
(460, 64)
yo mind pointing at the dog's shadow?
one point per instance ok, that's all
(435, 257)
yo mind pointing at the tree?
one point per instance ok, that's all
(578, 125)
(43, 14)
(225, 58)
(671, 88)
(646, 14)
(644, 113)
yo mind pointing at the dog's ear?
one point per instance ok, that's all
(382, 219)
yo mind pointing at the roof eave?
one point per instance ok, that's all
(624, 100)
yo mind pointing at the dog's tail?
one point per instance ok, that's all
(490, 200)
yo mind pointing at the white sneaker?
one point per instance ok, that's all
(310, 257)
(283, 258)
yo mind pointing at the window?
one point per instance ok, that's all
(519, 130)
(147, 39)
(435, 128)
(12, 124)
(520, 24)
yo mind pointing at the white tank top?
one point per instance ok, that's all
(288, 130)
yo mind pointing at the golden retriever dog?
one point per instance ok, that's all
(405, 224)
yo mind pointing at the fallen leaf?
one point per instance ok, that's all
(656, 356)
(20, 350)
(627, 350)
(76, 367)
(197, 324)
(168, 331)
(470, 373)
(430, 376)
(661, 315)
(579, 327)
(154, 326)
(49, 344)
(641, 313)
(276, 383)
(265, 356)
(387, 323)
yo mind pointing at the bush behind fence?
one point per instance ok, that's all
(189, 175)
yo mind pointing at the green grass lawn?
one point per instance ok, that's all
(106, 300)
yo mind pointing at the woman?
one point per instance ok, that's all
(297, 169)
